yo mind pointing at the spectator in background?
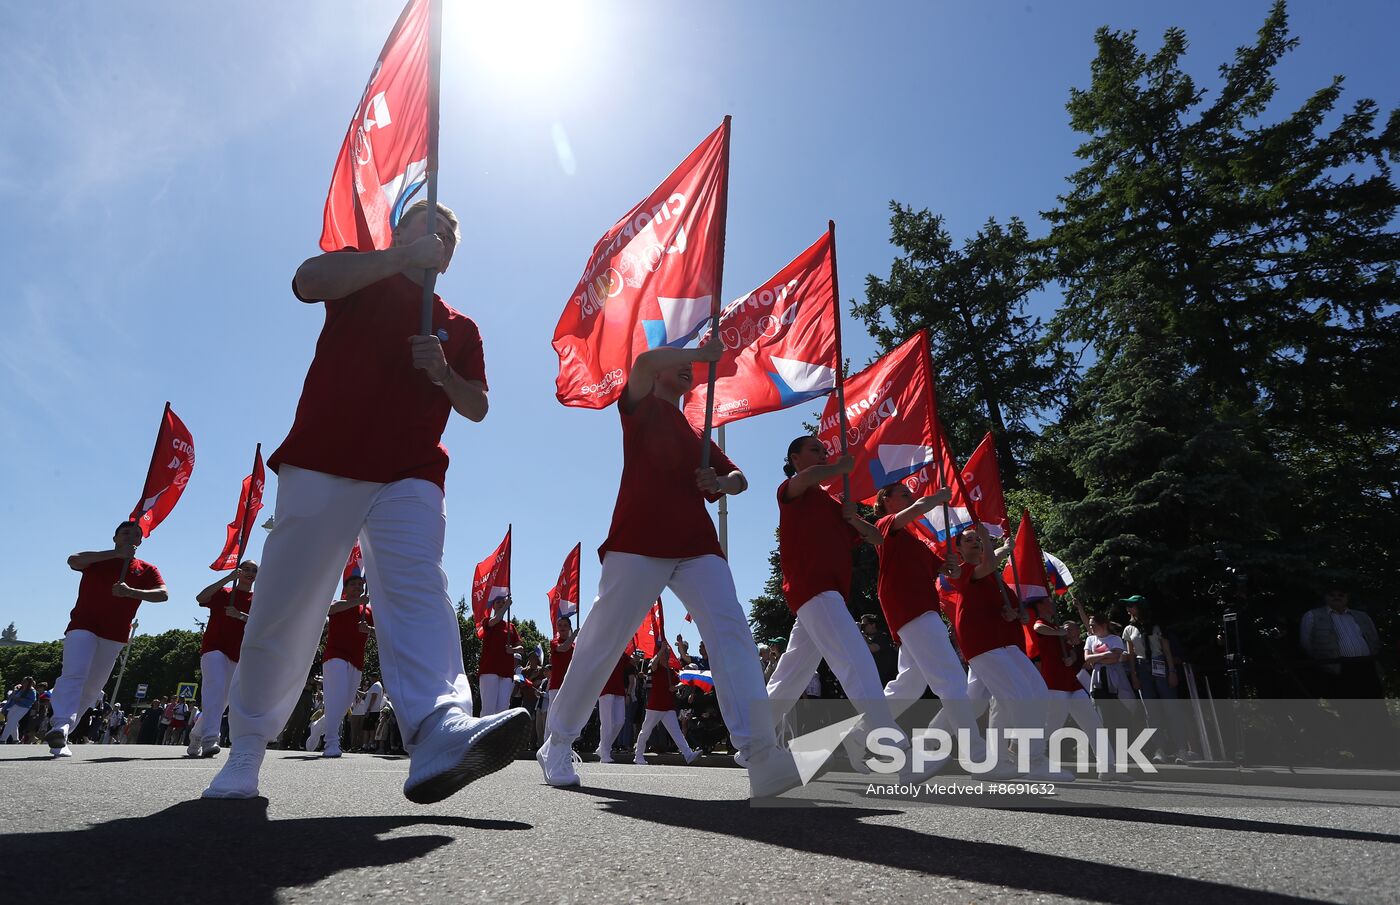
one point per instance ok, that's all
(151, 726)
(374, 708)
(17, 707)
(1107, 657)
(881, 648)
(1343, 644)
(1157, 678)
(357, 718)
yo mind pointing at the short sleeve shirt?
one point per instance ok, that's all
(344, 640)
(223, 633)
(98, 611)
(814, 546)
(1050, 651)
(558, 664)
(617, 682)
(977, 620)
(663, 689)
(365, 412)
(496, 657)
(908, 582)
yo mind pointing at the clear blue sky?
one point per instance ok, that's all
(163, 168)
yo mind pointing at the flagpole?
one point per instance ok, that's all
(718, 293)
(155, 451)
(840, 361)
(723, 507)
(941, 453)
(243, 520)
(434, 82)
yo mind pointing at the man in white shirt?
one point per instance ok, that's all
(1342, 644)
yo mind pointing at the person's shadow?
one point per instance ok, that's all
(235, 853)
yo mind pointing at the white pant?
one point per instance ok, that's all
(825, 630)
(668, 719)
(612, 713)
(400, 526)
(339, 682)
(628, 586)
(1018, 691)
(927, 660)
(495, 693)
(87, 665)
(217, 670)
(1079, 705)
(12, 723)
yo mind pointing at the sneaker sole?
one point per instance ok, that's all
(55, 738)
(493, 750)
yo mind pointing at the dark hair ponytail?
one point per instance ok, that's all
(793, 449)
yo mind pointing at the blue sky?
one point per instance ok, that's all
(163, 168)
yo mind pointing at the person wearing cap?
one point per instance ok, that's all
(1154, 666)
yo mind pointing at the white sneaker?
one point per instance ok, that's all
(639, 761)
(1001, 771)
(463, 749)
(238, 777)
(331, 751)
(65, 751)
(694, 755)
(740, 758)
(209, 746)
(559, 762)
(772, 772)
(312, 741)
(193, 749)
(605, 757)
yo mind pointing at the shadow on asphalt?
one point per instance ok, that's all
(238, 854)
(843, 832)
(1205, 822)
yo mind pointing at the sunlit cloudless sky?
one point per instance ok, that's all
(163, 168)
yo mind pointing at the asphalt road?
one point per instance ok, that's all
(123, 823)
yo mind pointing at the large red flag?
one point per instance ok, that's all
(384, 158)
(354, 565)
(490, 583)
(250, 503)
(172, 463)
(563, 597)
(780, 343)
(982, 479)
(1027, 575)
(651, 281)
(652, 631)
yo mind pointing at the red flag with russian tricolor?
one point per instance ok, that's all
(780, 343)
(1028, 576)
(250, 503)
(563, 597)
(383, 161)
(982, 479)
(490, 583)
(651, 281)
(172, 463)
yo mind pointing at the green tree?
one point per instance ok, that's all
(42, 661)
(161, 661)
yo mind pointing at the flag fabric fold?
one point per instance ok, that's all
(982, 479)
(651, 280)
(1027, 576)
(172, 463)
(1058, 573)
(250, 503)
(490, 583)
(563, 597)
(651, 632)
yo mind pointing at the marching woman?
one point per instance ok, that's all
(499, 645)
(218, 652)
(661, 708)
(816, 534)
(984, 624)
(908, 591)
(1059, 664)
(99, 626)
(662, 537)
(561, 650)
(348, 629)
(612, 707)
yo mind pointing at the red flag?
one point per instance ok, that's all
(982, 479)
(651, 281)
(384, 158)
(354, 565)
(780, 343)
(250, 503)
(1028, 574)
(172, 463)
(491, 583)
(563, 597)
(651, 632)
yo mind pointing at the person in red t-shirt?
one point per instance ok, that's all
(612, 706)
(561, 651)
(99, 626)
(364, 458)
(662, 536)
(908, 591)
(661, 708)
(499, 644)
(349, 624)
(985, 607)
(1059, 663)
(218, 652)
(816, 534)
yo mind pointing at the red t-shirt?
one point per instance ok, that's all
(558, 664)
(814, 546)
(365, 412)
(659, 512)
(617, 682)
(1050, 651)
(103, 614)
(344, 640)
(908, 582)
(662, 695)
(223, 633)
(496, 657)
(977, 617)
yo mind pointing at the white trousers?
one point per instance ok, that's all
(612, 713)
(495, 693)
(824, 630)
(628, 586)
(1079, 705)
(1017, 690)
(927, 660)
(87, 665)
(668, 719)
(400, 526)
(16, 714)
(216, 670)
(339, 682)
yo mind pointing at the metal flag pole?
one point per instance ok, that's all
(715, 297)
(723, 505)
(155, 451)
(840, 361)
(434, 84)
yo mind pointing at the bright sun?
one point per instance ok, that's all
(526, 45)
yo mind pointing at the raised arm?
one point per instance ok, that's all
(208, 593)
(336, 274)
(868, 532)
(921, 507)
(816, 475)
(80, 561)
(646, 366)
